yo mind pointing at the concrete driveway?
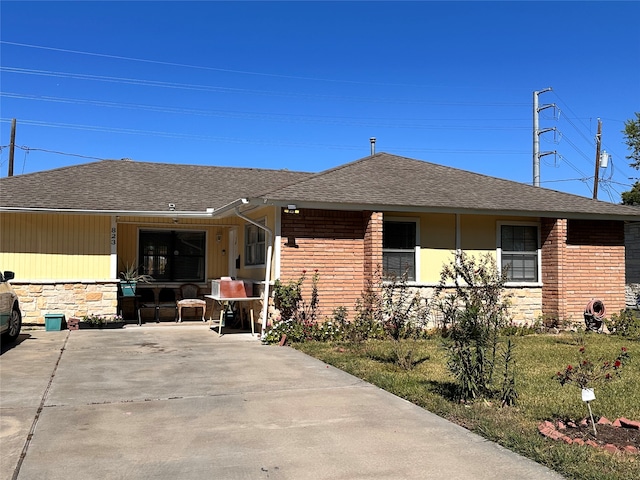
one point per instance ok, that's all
(180, 402)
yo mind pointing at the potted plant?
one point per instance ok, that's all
(129, 277)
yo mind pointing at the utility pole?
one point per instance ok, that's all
(536, 135)
(12, 147)
(598, 143)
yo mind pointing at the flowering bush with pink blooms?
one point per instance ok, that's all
(587, 372)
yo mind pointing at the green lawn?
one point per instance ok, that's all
(540, 396)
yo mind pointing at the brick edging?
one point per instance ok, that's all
(554, 431)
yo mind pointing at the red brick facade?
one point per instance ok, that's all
(582, 260)
(345, 248)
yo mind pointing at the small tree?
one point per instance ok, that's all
(471, 298)
(632, 197)
(632, 140)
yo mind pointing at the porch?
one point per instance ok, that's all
(161, 303)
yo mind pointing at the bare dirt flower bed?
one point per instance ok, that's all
(621, 435)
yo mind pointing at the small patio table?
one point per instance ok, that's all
(227, 304)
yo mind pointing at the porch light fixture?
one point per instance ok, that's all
(292, 209)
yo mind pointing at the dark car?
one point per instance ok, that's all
(10, 316)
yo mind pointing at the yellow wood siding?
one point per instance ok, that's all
(55, 246)
(438, 245)
(438, 238)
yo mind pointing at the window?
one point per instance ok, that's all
(173, 255)
(255, 245)
(399, 249)
(519, 252)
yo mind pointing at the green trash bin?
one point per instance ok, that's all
(53, 322)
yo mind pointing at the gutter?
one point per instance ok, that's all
(124, 213)
(228, 208)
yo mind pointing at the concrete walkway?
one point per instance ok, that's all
(182, 403)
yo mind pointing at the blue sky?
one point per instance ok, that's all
(304, 85)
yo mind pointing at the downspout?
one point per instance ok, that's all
(267, 275)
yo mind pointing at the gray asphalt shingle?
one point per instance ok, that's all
(144, 186)
(391, 182)
(383, 181)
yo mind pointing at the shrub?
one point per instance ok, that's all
(367, 322)
(587, 373)
(625, 324)
(287, 297)
(290, 327)
(475, 309)
(520, 330)
(404, 313)
(97, 321)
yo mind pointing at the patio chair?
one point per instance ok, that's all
(146, 301)
(190, 298)
(166, 301)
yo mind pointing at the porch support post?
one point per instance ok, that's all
(113, 267)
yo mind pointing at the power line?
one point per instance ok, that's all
(207, 88)
(280, 117)
(352, 147)
(33, 149)
(226, 70)
(580, 129)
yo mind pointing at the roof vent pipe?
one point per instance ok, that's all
(373, 145)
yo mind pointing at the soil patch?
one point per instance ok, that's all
(620, 437)
(622, 434)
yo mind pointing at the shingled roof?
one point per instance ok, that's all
(143, 186)
(380, 182)
(388, 182)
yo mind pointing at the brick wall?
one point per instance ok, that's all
(343, 246)
(372, 244)
(582, 260)
(554, 240)
(72, 299)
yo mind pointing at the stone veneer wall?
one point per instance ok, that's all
(526, 304)
(74, 299)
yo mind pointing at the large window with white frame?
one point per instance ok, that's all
(519, 252)
(173, 255)
(255, 244)
(399, 249)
